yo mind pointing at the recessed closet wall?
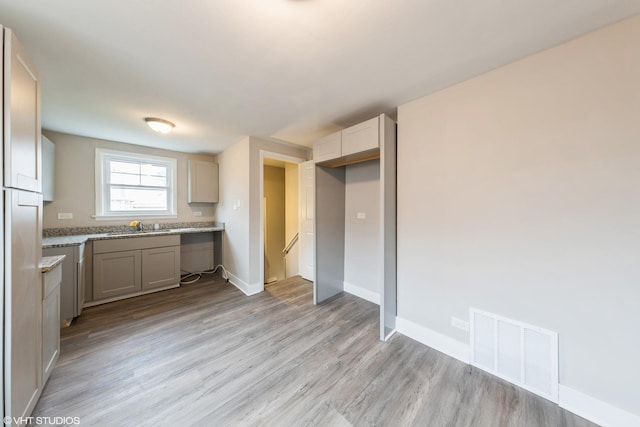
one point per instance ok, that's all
(355, 216)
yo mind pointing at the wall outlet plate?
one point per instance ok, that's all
(65, 215)
(460, 324)
(361, 215)
(197, 213)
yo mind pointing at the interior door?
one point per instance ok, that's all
(306, 209)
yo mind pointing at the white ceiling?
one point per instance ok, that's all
(286, 69)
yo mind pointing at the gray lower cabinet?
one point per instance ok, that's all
(116, 273)
(72, 292)
(128, 267)
(50, 320)
(160, 267)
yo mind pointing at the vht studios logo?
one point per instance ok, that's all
(39, 421)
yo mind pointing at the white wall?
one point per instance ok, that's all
(519, 194)
(233, 210)
(362, 236)
(291, 179)
(75, 182)
(257, 145)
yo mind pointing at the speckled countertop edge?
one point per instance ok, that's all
(77, 240)
(48, 263)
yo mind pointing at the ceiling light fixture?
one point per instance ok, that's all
(159, 125)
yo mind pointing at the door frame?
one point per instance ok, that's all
(264, 154)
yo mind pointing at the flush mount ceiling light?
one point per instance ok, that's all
(159, 125)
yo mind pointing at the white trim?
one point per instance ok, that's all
(442, 343)
(246, 288)
(275, 156)
(132, 216)
(390, 334)
(101, 213)
(361, 292)
(595, 410)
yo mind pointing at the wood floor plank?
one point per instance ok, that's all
(207, 355)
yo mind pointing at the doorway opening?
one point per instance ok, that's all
(279, 217)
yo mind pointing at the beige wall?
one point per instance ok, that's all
(274, 194)
(75, 182)
(291, 178)
(518, 193)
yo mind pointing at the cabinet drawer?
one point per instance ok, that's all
(132, 243)
(327, 148)
(361, 137)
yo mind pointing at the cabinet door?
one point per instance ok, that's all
(116, 274)
(202, 182)
(361, 137)
(80, 266)
(160, 267)
(22, 118)
(68, 285)
(51, 321)
(327, 148)
(23, 293)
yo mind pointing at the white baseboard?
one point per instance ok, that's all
(595, 410)
(442, 343)
(246, 288)
(361, 292)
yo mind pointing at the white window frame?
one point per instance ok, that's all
(103, 156)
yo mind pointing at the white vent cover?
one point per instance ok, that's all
(519, 353)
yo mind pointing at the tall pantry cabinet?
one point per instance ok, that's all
(21, 233)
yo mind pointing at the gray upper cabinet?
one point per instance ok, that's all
(361, 137)
(202, 182)
(328, 147)
(355, 144)
(22, 152)
(48, 169)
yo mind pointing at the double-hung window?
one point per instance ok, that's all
(133, 185)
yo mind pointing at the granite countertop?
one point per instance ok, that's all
(48, 263)
(77, 240)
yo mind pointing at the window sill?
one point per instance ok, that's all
(133, 216)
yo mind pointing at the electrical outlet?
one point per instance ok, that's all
(361, 215)
(197, 213)
(65, 215)
(460, 324)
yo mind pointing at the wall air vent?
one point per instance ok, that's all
(514, 351)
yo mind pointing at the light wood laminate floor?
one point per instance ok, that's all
(207, 355)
